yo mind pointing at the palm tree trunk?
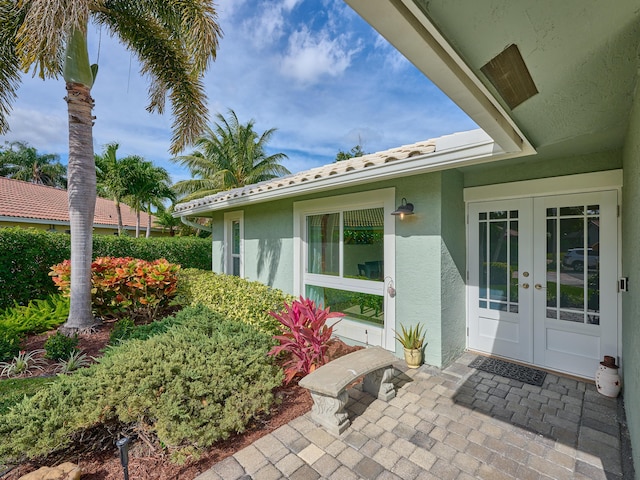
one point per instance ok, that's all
(148, 221)
(82, 202)
(119, 213)
(137, 223)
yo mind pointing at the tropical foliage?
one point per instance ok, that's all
(232, 297)
(125, 286)
(22, 162)
(174, 41)
(230, 155)
(305, 337)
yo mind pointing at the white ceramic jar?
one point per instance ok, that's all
(607, 378)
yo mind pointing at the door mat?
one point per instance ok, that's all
(509, 370)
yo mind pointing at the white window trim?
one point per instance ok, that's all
(230, 217)
(384, 198)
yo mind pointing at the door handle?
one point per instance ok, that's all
(525, 285)
(539, 287)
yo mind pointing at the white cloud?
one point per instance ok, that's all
(268, 26)
(311, 56)
(47, 132)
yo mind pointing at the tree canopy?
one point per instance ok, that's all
(21, 162)
(227, 156)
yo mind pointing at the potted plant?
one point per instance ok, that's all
(412, 339)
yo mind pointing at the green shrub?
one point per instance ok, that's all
(59, 346)
(9, 343)
(233, 297)
(39, 316)
(121, 331)
(126, 329)
(27, 254)
(200, 381)
(125, 286)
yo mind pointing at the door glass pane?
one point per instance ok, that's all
(482, 256)
(498, 260)
(236, 266)
(235, 232)
(573, 265)
(362, 307)
(498, 265)
(364, 244)
(323, 240)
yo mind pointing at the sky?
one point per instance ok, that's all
(313, 70)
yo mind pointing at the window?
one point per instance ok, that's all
(345, 256)
(233, 243)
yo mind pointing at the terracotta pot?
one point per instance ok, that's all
(413, 357)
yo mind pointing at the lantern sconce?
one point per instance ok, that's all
(403, 209)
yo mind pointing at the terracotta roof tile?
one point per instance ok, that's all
(27, 200)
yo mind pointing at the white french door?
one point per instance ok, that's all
(543, 280)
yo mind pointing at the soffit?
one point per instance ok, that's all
(582, 55)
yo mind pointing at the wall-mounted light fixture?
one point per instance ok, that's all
(403, 209)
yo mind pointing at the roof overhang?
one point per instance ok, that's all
(451, 151)
(409, 30)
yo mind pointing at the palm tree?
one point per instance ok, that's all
(166, 220)
(229, 156)
(174, 40)
(21, 162)
(149, 186)
(114, 177)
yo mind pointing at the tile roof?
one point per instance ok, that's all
(24, 200)
(336, 169)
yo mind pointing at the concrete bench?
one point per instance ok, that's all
(328, 384)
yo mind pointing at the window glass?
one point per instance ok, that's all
(323, 239)
(363, 235)
(362, 307)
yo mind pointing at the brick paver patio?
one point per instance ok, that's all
(455, 424)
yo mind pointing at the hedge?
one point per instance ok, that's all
(26, 255)
(200, 381)
(232, 297)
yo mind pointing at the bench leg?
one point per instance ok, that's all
(329, 411)
(378, 383)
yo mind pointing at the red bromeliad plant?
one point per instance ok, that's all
(124, 286)
(305, 336)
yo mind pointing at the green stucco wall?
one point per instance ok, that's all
(430, 254)
(631, 269)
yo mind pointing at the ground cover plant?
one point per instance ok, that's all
(233, 297)
(37, 317)
(160, 387)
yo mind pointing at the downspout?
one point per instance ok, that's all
(195, 225)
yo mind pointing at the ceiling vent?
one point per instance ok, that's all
(510, 76)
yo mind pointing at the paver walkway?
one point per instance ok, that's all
(456, 424)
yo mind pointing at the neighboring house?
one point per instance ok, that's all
(24, 204)
(554, 170)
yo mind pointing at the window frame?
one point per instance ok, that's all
(382, 198)
(229, 218)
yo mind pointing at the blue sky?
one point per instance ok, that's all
(314, 70)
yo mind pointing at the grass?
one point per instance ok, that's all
(13, 390)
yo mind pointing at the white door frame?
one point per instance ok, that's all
(581, 183)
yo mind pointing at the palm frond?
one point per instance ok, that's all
(12, 17)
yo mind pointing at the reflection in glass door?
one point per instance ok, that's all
(499, 271)
(575, 302)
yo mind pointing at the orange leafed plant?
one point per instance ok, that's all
(124, 286)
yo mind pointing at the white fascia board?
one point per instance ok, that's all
(407, 28)
(477, 147)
